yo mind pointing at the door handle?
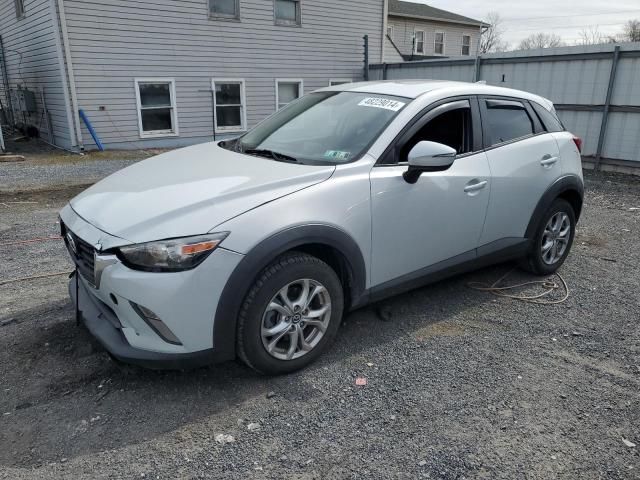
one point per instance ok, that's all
(548, 161)
(474, 187)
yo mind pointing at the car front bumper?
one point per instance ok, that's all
(104, 325)
(114, 299)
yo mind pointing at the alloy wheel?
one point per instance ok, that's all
(555, 238)
(296, 319)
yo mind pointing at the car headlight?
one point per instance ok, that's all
(172, 255)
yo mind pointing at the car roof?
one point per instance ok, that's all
(416, 88)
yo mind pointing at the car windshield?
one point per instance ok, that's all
(321, 128)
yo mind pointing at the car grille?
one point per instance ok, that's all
(83, 255)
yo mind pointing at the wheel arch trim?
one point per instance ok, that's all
(568, 184)
(259, 257)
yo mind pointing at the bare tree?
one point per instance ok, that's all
(541, 40)
(592, 36)
(631, 31)
(491, 39)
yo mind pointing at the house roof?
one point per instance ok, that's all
(420, 10)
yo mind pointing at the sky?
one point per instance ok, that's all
(566, 18)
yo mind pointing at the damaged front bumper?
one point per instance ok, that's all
(104, 325)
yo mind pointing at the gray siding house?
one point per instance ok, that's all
(416, 31)
(173, 72)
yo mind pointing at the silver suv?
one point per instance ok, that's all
(255, 247)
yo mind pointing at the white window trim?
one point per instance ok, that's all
(300, 83)
(444, 43)
(243, 100)
(462, 45)
(174, 132)
(424, 41)
(342, 80)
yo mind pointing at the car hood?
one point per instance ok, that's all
(189, 192)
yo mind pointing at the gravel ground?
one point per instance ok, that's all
(45, 167)
(460, 384)
(21, 176)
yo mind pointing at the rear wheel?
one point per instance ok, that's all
(290, 315)
(553, 239)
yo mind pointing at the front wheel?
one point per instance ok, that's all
(290, 315)
(553, 239)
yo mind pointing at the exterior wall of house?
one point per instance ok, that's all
(113, 42)
(404, 28)
(31, 55)
(391, 54)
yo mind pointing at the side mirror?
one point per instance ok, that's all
(428, 157)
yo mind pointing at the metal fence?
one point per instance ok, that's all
(596, 89)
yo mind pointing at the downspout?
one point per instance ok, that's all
(477, 65)
(5, 80)
(63, 74)
(385, 23)
(72, 78)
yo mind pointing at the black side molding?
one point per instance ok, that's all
(571, 187)
(500, 251)
(240, 281)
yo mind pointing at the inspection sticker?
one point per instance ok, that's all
(337, 155)
(385, 103)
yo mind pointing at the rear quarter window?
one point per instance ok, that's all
(507, 120)
(549, 120)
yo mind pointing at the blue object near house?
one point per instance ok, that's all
(92, 131)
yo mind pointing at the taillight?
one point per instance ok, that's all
(578, 142)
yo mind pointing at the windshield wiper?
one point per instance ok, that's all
(280, 157)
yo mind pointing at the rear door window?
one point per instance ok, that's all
(507, 120)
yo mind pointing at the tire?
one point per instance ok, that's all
(293, 273)
(560, 213)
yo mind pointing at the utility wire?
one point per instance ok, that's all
(565, 27)
(527, 19)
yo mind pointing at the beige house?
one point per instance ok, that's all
(415, 31)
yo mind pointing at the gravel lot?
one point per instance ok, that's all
(34, 176)
(46, 167)
(460, 384)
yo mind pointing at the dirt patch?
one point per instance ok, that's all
(41, 196)
(63, 157)
(37, 152)
(591, 241)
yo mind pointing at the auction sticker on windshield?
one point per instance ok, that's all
(337, 155)
(377, 102)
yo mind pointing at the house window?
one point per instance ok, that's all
(419, 39)
(390, 31)
(229, 9)
(466, 45)
(339, 81)
(287, 91)
(230, 112)
(439, 44)
(19, 8)
(156, 99)
(287, 12)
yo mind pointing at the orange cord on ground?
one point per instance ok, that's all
(32, 240)
(34, 277)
